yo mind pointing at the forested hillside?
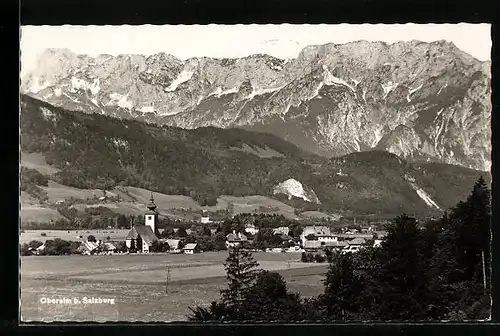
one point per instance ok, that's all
(96, 151)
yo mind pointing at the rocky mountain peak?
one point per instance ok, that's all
(423, 101)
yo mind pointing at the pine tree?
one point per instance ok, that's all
(403, 276)
(457, 263)
(341, 289)
(241, 271)
(476, 233)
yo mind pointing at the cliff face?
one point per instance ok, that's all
(421, 101)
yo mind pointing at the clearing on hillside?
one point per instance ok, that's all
(37, 161)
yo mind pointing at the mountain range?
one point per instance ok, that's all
(425, 102)
(95, 151)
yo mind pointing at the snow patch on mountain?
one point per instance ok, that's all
(75, 100)
(184, 76)
(424, 196)
(415, 89)
(80, 84)
(316, 91)
(378, 136)
(441, 88)
(330, 79)
(58, 92)
(36, 87)
(388, 87)
(120, 100)
(293, 188)
(259, 92)
(219, 92)
(147, 109)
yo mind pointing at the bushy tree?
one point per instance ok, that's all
(121, 247)
(91, 238)
(219, 241)
(457, 262)
(159, 246)
(342, 288)
(35, 244)
(181, 233)
(269, 300)
(402, 275)
(168, 232)
(59, 247)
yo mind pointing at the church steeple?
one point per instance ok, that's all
(152, 205)
(151, 216)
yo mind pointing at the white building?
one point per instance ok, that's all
(191, 248)
(235, 239)
(322, 233)
(250, 228)
(143, 236)
(282, 230)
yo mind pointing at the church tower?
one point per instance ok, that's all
(151, 216)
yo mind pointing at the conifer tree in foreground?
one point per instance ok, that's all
(241, 272)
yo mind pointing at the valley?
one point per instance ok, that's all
(81, 158)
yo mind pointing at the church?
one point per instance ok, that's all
(142, 236)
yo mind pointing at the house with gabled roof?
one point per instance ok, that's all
(88, 247)
(312, 245)
(235, 239)
(357, 242)
(191, 248)
(321, 233)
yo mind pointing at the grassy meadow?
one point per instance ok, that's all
(137, 283)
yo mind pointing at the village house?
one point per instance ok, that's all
(322, 234)
(282, 230)
(143, 236)
(335, 245)
(87, 247)
(235, 239)
(173, 244)
(311, 245)
(205, 219)
(40, 248)
(354, 245)
(251, 229)
(191, 248)
(357, 242)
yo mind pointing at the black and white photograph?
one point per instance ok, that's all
(258, 173)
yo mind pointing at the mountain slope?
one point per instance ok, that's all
(421, 101)
(94, 151)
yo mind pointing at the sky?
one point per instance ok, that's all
(230, 41)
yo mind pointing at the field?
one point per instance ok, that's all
(72, 235)
(137, 283)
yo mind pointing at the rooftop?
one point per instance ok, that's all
(146, 233)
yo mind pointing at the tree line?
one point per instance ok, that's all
(437, 270)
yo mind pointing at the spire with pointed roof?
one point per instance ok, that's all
(152, 205)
